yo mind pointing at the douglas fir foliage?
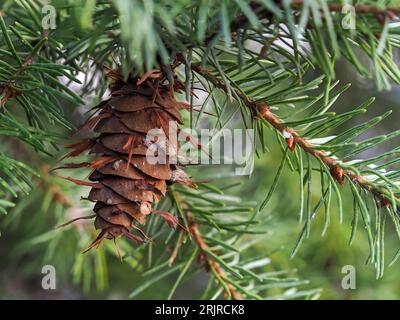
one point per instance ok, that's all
(265, 65)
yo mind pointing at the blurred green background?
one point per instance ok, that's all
(28, 239)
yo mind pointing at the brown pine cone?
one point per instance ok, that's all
(125, 185)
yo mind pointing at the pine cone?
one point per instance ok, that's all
(125, 185)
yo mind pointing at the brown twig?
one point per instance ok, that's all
(195, 234)
(203, 246)
(7, 89)
(262, 13)
(359, 8)
(175, 251)
(262, 109)
(8, 93)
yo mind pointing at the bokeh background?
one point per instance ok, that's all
(29, 241)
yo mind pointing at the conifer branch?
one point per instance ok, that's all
(263, 13)
(203, 246)
(273, 42)
(293, 139)
(212, 264)
(359, 8)
(7, 90)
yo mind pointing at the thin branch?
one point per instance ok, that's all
(194, 230)
(359, 8)
(7, 90)
(262, 13)
(262, 109)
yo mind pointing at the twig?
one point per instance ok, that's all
(262, 13)
(8, 93)
(359, 8)
(7, 90)
(262, 109)
(194, 230)
(175, 252)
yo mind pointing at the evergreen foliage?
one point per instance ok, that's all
(268, 65)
